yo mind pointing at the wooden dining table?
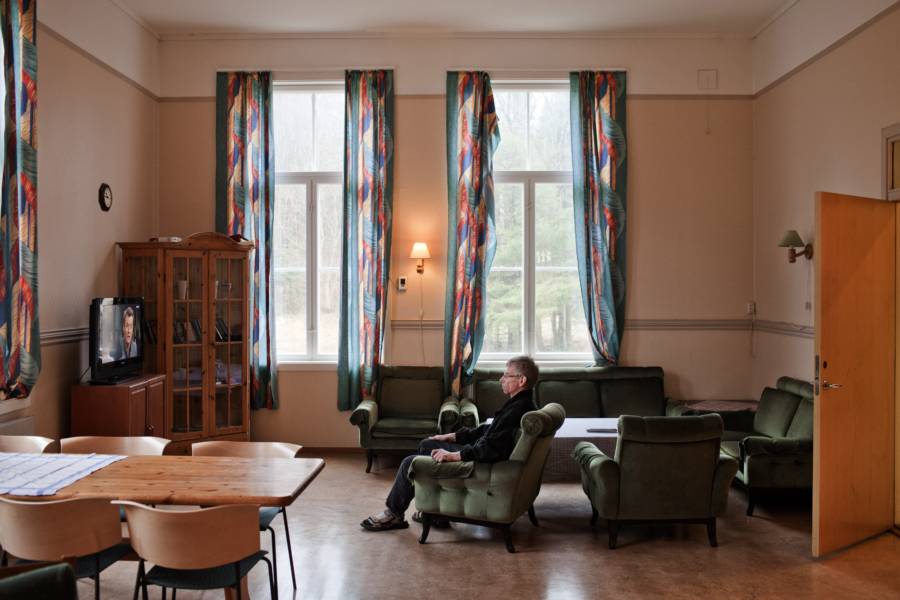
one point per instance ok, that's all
(196, 480)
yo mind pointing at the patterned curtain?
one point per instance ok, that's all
(472, 138)
(245, 193)
(597, 107)
(19, 330)
(366, 243)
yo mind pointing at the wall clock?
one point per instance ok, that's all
(104, 197)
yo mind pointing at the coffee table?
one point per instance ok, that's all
(560, 464)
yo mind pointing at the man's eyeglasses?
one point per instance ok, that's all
(510, 375)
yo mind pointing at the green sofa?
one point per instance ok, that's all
(665, 469)
(582, 392)
(490, 494)
(409, 406)
(778, 452)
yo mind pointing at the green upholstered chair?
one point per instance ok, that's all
(490, 494)
(584, 392)
(778, 452)
(38, 581)
(409, 406)
(665, 469)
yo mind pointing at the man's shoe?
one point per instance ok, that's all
(436, 522)
(384, 521)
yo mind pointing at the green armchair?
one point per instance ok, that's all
(778, 452)
(489, 494)
(666, 469)
(409, 405)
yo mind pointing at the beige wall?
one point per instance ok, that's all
(818, 130)
(689, 244)
(93, 127)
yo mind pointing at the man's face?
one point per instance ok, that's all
(511, 382)
(128, 329)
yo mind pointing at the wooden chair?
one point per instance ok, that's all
(202, 549)
(267, 513)
(85, 528)
(31, 444)
(129, 446)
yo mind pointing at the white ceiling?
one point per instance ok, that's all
(653, 17)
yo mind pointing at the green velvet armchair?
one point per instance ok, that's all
(778, 452)
(409, 406)
(665, 469)
(489, 494)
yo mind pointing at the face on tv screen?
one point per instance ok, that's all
(118, 337)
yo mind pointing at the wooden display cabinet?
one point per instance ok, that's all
(196, 326)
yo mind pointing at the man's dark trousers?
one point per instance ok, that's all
(402, 492)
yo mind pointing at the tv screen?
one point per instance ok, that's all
(116, 341)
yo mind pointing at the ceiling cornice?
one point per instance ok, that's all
(430, 35)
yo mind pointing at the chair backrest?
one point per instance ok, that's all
(31, 444)
(801, 426)
(247, 449)
(59, 528)
(775, 411)
(129, 446)
(38, 580)
(577, 390)
(413, 392)
(193, 539)
(532, 448)
(667, 465)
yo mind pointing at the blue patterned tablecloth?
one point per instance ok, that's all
(44, 474)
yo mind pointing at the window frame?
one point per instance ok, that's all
(312, 180)
(530, 179)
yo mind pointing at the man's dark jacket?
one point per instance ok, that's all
(493, 442)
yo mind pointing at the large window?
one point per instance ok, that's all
(534, 300)
(309, 145)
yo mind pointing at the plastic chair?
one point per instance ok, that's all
(85, 528)
(31, 444)
(202, 549)
(267, 513)
(129, 446)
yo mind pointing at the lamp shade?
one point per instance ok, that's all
(791, 239)
(420, 250)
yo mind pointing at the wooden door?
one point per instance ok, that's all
(855, 346)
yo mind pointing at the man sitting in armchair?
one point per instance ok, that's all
(489, 442)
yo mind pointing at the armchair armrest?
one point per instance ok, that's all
(725, 471)
(602, 474)
(675, 408)
(468, 413)
(423, 468)
(449, 417)
(756, 445)
(365, 415)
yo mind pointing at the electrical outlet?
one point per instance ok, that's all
(807, 305)
(401, 283)
(751, 309)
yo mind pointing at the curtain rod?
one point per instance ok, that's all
(308, 69)
(538, 71)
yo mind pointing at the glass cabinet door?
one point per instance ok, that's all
(185, 290)
(140, 279)
(229, 328)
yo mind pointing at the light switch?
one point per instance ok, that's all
(401, 283)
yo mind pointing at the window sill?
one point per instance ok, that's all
(322, 366)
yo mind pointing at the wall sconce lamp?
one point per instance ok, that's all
(792, 240)
(420, 252)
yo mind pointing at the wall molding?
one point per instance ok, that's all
(637, 324)
(414, 324)
(64, 335)
(785, 328)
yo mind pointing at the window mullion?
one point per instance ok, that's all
(311, 269)
(529, 335)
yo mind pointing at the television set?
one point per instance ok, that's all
(116, 341)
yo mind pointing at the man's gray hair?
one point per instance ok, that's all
(525, 366)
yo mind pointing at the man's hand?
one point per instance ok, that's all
(441, 455)
(444, 437)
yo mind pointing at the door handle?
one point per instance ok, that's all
(831, 386)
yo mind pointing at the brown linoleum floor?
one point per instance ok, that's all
(765, 556)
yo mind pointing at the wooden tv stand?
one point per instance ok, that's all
(134, 406)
